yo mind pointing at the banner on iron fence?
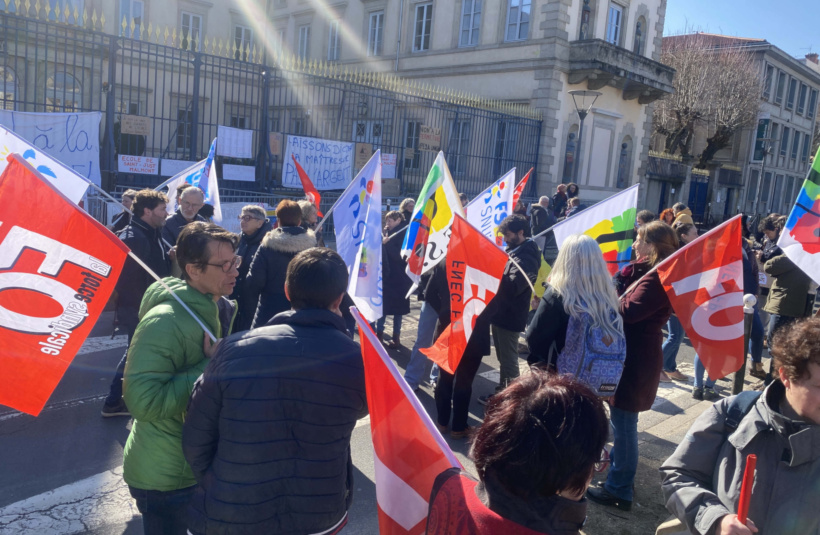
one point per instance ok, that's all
(70, 138)
(329, 164)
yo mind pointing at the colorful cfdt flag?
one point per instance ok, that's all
(310, 190)
(429, 229)
(56, 276)
(800, 240)
(409, 452)
(491, 206)
(704, 283)
(358, 227)
(611, 223)
(201, 175)
(519, 189)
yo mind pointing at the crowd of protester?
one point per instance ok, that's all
(245, 382)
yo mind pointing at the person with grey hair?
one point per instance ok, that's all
(310, 217)
(541, 218)
(406, 208)
(254, 224)
(190, 201)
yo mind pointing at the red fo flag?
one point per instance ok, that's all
(519, 189)
(409, 450)
(58, 268)
(475, 266)
(310, 190)
(704, 282)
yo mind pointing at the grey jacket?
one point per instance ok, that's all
(702, 479)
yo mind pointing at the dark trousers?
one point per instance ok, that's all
(115, 391)
(457, 388)
(163, 512)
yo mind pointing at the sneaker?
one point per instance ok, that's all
(697, 393)
(665, 378)
(710, 395)
(483, 400)
(677, 376)
(118, 409)
(603, 497)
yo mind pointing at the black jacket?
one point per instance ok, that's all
(510, 306)
(547, 332)
(395, 281)
(120, 221)
(248, 246)
(265, 282)
(145, 242)
(268, 427)
(173, 226)
(540, 219)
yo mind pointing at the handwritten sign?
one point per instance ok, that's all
(329, 164)
(141, 165)
(234, 142)
(363, 153)
(429, 138)
(135, 124)
(168, 167)
(388, 165)
(245, 173)
(275, 142)
(70, 138)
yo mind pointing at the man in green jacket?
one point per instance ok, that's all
(168, 353)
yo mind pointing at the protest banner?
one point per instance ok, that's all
(56, 276)
(409, 452)
(135, 124)
(69, 182)
(429, 138)
(243, 173)
(70, 138)
(329, 164)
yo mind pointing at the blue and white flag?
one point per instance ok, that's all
(66, 180)
(194, 176)
(358, 221)
(491, 206)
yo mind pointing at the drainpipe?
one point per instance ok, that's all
(398, 42)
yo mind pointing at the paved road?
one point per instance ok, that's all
(62, 471)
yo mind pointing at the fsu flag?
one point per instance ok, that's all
(409, 452)
(310, 190)
(491, 206)
(800, 239)
(519, 189)
(56, 275)
(704, 282)
(475, 266)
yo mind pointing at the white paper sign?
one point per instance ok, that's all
(246, 173)
(71, 138)
(234, 142)
(142, 165)
(173, 167)
(388, 165)
(329, 164)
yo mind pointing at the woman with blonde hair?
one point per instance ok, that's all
(645, 309)
(579, 284)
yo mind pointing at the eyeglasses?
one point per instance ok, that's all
(600, 466)
(229, 265)
(247, 218)
(186, 204)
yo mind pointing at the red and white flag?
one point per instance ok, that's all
(519, 189)
(704, 282)
(475, 266)
(56, 274)
(409, 450)
(310, 190)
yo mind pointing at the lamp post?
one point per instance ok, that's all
(587, 99)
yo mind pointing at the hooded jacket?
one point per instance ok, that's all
(164, 360)
(790, 286)
(265, 283)
(248, 245)
(702, 479)
(269, 425)
(684, 216)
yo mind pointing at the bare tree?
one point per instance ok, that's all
(717, 86)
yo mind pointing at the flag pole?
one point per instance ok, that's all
(330, 211)
(151, 271)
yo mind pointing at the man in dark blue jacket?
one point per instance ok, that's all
(268, 427)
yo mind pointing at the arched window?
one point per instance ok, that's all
(569, 155)
(640, 36)
(624, 163)
(63, 93)
(8, 88)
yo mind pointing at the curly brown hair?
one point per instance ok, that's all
(795, 346)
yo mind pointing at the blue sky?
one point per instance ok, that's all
(791, 25)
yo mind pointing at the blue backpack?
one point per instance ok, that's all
(592, 355)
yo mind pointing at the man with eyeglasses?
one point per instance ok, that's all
(168, 352)
(189, 203)
(255, 225)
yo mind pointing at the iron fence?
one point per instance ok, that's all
(186, 89)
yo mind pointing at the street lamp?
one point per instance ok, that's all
(766, 146)
(587, 99)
